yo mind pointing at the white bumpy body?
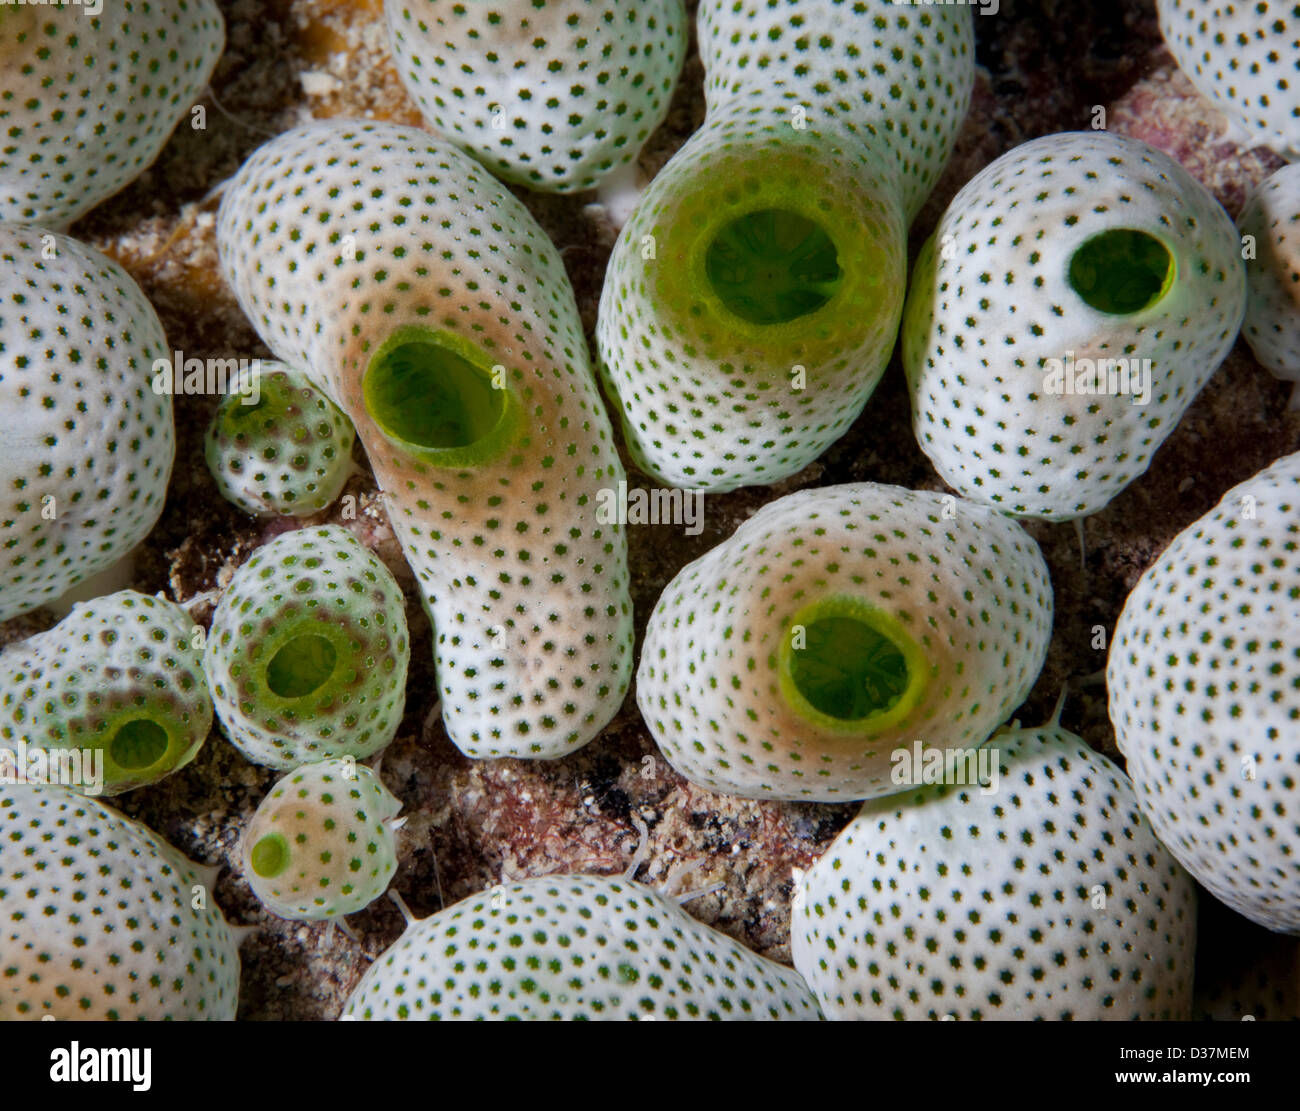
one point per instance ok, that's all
(102, 919)
(574, 947)
(87, 446)
(1205, 699)
(1016, 396)
(1044, 896)
(342, 237)
(961, 590)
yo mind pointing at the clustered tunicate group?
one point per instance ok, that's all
(843, 644)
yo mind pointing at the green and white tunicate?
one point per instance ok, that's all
(1204, 685)
(87, 447)
(321, 844)
(284, 450)
(100, 919)
(1025, 885)
(1073, 300)
(426, 302)
(1246, 59)
(117, 688)
(308, 651)
(552, 94)
(836, 625)
(573, 948)
(91, 97)
(1272, 326)
(754, 295)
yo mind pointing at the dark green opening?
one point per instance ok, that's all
(773, 266)
(301, 666)
(847, 670)
(270, 856)
(138, 744)
(240, 412)
(1122, 271)
(428, 396)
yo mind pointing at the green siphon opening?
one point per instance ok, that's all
(431, 397)
(1122, 271)
(772, 266)
(140, 743)
(301, 666)
(270, 856)
(848, 670)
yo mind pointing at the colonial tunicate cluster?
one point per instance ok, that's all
(848, 641)
(447, 331)
(753, 298)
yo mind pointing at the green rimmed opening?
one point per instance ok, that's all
(301, 666)
(139, 743)
(440, 397)
(277, 399)
(773, 265)
(270, 856)
(429, 396)
(850, 667)
(1122, 271)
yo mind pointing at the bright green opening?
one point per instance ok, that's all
(846, 666)
(773, 266)
(262, 415)
(270, 856)
(1122, 271)
(301, 666)
(429, 396)
(138, 744)
(847, 670)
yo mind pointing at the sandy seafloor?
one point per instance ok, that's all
(1043, 68)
